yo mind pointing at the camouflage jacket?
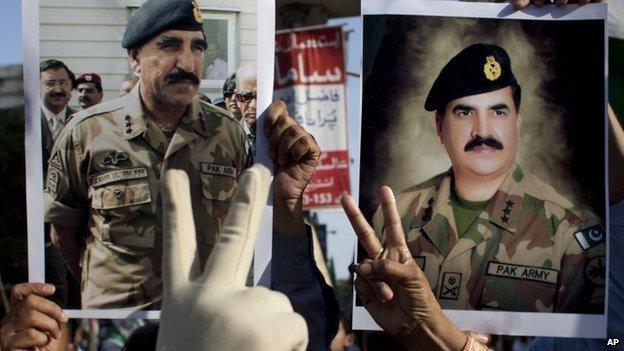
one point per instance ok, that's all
(103, 180)
(530, 250)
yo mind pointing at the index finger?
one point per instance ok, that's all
(365, 233)
(180, 262)
(395, 237)
(231, 257)
(22, 290)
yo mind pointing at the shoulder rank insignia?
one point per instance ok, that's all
(196, 11)
(590, 237)
(492, 68)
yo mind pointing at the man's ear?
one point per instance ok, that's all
(519, 121)
(134, 59)
(439, 119)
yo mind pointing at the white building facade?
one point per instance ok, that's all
(86, 35)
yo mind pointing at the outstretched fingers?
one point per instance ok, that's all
(232, 255)
(365, 233)
(180, 261)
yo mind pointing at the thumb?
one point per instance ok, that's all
(180, 262)
(231, 257)
(21, 291)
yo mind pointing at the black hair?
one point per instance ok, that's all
(56, 64)
(229, 85)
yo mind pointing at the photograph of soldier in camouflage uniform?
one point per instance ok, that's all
(492, 135)
(102, 202)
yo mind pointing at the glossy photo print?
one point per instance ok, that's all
(489, 125)
(94, 162)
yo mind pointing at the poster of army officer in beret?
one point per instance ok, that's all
(491, 134)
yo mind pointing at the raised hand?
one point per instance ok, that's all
(295, 154)
(393, 288)
(215, 310)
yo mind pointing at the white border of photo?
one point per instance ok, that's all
(34, 172)
(495, 322)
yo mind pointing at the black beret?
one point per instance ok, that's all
(478, 69)
(156, 16)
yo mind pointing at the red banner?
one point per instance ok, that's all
(310, 78)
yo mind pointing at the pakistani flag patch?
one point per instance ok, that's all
(590, 237)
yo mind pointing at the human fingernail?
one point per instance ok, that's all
(387, 293)
(364, 268)
(49, 289)
(64, 317)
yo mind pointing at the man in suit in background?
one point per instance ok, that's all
(57, 83)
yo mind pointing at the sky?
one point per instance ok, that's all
(11, 21)
(340, 239)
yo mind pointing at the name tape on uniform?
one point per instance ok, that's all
(209, 168)
(117, 175)
(538, 274)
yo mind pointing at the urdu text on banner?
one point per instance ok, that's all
(310, 78)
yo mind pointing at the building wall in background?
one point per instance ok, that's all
(86, 35)
(11, 87)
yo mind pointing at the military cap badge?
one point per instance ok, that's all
(492, 68)
(196, 11)
(88, 78)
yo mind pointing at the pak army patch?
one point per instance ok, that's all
(210, 168)
(450, 286)
(516, 271)
(590, 237)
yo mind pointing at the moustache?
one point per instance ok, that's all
(84, 99)
(180, 76)
(478, 141)
(57, 95)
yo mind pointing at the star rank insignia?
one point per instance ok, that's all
(507, 211)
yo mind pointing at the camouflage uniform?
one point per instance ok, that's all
(103, 180)
(530, 250)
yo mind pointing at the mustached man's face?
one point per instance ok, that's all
(88, 95)
(56, 88)
(480, 133)
(169, 66)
